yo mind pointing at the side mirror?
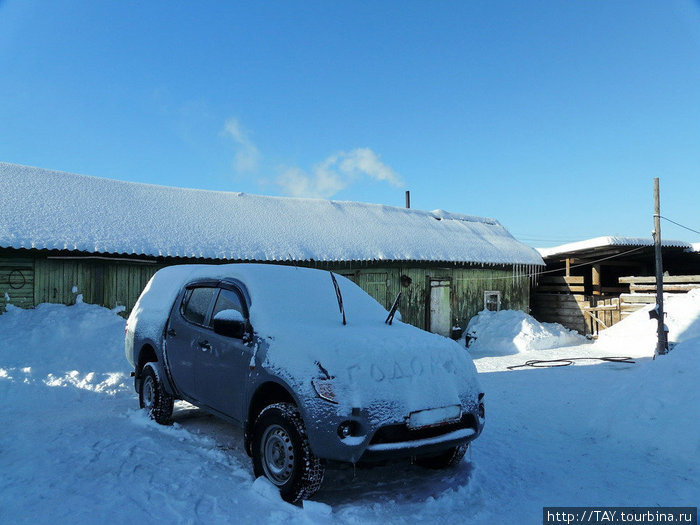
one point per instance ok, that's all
(229, 323)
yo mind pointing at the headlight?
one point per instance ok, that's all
(324, 389)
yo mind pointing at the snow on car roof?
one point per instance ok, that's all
(54, 210)
(599, 242)
(274, 290)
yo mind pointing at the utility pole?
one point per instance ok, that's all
(661, 343)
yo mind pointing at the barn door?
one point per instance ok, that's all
(440, 314)
(375, 284)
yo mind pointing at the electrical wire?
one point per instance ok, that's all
(678, 224)
(567, 361)
(600, 260)
(544, 239)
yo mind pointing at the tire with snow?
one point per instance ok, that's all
(282, 454)
(156, 401)
(448, 458)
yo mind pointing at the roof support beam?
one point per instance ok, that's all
(595, 280)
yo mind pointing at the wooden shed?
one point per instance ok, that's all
(64, 234)
(590, 285)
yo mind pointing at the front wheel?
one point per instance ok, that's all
(153, 398)
(282, 454)
(450, 457)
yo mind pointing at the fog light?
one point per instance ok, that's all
(345, 429)
(482, 412)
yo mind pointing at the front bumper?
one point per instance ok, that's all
(418, 447)
(398, 441)
(389, 440)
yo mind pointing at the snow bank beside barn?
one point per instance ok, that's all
(58, 339)
(511, 332)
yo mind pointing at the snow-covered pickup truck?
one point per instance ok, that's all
(309, 364)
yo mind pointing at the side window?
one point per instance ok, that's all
(195, 304)
(185, 300)
(492, 301)
(228, 300)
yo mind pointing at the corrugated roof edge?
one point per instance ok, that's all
(599, 242)
(70, 253)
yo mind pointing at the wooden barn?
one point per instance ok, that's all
(63, 234)
(590, 285)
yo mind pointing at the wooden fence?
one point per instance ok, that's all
(602, 313)
(643, 290)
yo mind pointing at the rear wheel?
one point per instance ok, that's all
(282, 454)
(448, 458)
(153, 398)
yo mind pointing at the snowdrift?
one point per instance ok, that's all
(511, 332)
(638, 331)
(54, 338)
(663, 399)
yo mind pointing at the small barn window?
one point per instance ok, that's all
(492, 301)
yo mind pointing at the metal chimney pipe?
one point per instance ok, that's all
(408, 199)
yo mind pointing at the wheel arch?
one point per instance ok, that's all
(265, 394)
(148, 354)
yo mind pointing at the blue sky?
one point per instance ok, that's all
(551, 116)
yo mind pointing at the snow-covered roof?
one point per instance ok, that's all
(53, 210)
(601, 242)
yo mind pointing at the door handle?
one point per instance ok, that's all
(204, 345)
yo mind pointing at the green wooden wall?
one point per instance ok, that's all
(17, 281)
(467, 287)
(31, 280)
(47, 280)
(107, 283)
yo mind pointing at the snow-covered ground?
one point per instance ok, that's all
(74, 448)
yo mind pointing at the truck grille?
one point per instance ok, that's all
(400, 432)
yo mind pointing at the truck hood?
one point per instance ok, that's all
(393, 369)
